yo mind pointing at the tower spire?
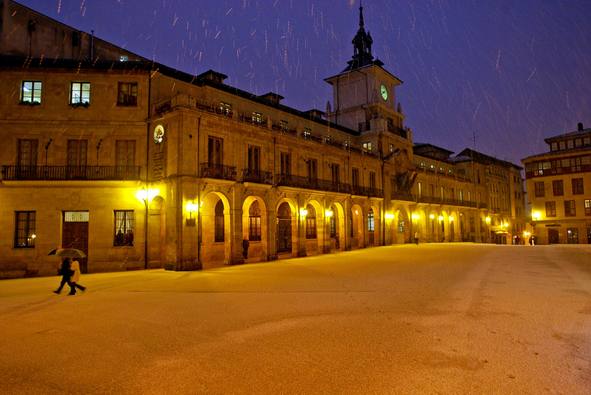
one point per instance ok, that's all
(361, 45)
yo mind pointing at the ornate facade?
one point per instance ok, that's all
(141, 165)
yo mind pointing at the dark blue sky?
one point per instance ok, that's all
(512, 72)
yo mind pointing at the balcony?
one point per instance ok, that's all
(221, 172)
(258, 176)
(366, 191)
(312, 183)
(436, 200)
(60, 173)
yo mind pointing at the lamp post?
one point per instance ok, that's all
(146, 195)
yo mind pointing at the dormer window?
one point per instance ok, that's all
(307, 133)
(367, 146)
(257, 117)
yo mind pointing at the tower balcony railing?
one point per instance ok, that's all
(214, 170)
(258, 176)
(60, 173)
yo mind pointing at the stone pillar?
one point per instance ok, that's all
(236, 234)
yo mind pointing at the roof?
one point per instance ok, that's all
(479, 157)
(577, 133)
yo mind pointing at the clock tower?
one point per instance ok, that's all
(364, 99)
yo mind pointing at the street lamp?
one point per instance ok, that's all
(146, 195)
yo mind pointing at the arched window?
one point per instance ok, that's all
(370, 221)
(332, 224)
(219, 222)
(254, 222)
(310, 223)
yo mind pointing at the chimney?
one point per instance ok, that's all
(580, 126)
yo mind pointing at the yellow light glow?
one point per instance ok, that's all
(415, 216)
(33, 236)
(526, 234)
(192, 207)
(536, 215)
(147, 195)
(451, 218)
(356, 212)
(431, 216)
(440, 218)
(487, 220)
(389, 216)
(303, 212)
(328, 213)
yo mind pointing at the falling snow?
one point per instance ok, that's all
(509, 73)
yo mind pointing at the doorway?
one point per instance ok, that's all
(284, 228)
(75, 234)
(553, 237)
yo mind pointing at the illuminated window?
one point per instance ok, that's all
(24, 231)
(257, 117)
(587, 206)
(307, 133)
(572, 236)
(254, 222)
(31, 92)
(124, 227)
(127, 94)
(80, 93)
(367, 146)
(370, 221)
(401, 226)
(225, 108)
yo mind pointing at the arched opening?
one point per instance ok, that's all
(311, 233)
(356, 226)
(254, 229)
(254, 222)
(216, 238)
(402, 227)
(284, 244)
(371, 227)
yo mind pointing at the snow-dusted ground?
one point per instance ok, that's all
(429, 319)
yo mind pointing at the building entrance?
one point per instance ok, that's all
(553, 237)
(75, 234)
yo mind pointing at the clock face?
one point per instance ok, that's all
(159, 134)
(384, 92)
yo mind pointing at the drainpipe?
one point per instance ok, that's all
(148, 127)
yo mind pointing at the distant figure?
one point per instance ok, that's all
(75, 278)
(66, 272)
(245, 245)
(417, 238)
(532, 240)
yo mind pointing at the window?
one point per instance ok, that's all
(401, 226)
(77, 150)
(558, 188)
(587, 205)
(461, 195)
(285, 164)
(370, 221)
(539, 189)
(569, 208)
(570, 144)
(310, 223)
(312, 170)
(254, 222)
(283, 125)
(27, 153)
(332, 224)
(257, 118)
(124, 153)
(127, 94)
(225, 109)
(367, 147)
(215, 150)
(550, 209)
(572, 236)
(577, 185)
(334, 173)
(355, 177)
(124, 227)
(372, 180)
(80, 93)
(307, 133)
(391, 147)
(419, 189)
(219, 222)
(24, 230)
(31, 92)
(254, 159)
(554, 146)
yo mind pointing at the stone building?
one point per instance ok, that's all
(559, 189)
(141, 165)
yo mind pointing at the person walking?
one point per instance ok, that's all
(66, 272)
(75, 267)
(417, 238)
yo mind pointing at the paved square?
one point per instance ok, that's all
(447, 318)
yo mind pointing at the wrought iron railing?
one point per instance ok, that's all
(213, 170)
(435, 200)
(261, 177)
(56, 173)
(312, 183)
(366, 191)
